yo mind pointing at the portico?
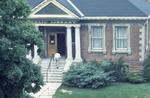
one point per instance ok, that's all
(68, 33)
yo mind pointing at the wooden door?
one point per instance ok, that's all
(52, 44)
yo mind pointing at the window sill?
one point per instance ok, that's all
(122, 51)
(98, 50)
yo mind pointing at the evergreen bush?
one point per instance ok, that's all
(84, 75)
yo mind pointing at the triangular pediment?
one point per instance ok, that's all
(50, 9)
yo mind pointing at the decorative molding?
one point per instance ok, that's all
(51, 16)
(57, 25)
(57, 4)
(142, 44)
(114, 18)
(54, 22)
(123, 50)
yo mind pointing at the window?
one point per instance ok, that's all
(121, 37)
(121, 42)
(97, 38)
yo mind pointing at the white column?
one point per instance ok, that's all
(69, 43)
(77, 45)
(29, 55)
(36, 58)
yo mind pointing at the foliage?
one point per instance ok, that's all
(121, 70)
(84, 75)
(17, 37)
(107, 65)
(95, 74)
(135, 77)
(146, 70)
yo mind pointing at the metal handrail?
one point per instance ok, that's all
(43, 92)
(49, 66)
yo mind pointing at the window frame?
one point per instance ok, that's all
(103, 48)
(121, 50)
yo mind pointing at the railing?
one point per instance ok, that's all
(41, 95)
(49, 67)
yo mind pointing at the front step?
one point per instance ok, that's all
(47, 91)
(136, 68)
(53, 75)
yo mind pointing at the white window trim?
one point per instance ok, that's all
(102, 50)
(121, 50)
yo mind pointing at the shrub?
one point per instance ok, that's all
(107, 65)
(121, 69)
(135, 77)
(146, 71)
(87, 76)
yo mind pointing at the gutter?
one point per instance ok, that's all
(113, 18)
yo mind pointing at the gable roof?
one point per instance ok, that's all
(65, 3)
(108, 8)
(142, 5)
(103, 8)
(34, 3)
(69, 6)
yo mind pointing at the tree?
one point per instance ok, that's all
(18, 75)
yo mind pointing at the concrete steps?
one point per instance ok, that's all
(136, 68)
(55, 73)
(52, 77)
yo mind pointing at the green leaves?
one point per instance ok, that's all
(14, 9)
(13, 74)
(18, 35)
(84, 75)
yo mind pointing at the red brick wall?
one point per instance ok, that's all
(134, 41)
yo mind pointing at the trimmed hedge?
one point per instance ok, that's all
(84, 75)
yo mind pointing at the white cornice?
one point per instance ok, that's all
(51, 16)
(58, 25)
(114, 18)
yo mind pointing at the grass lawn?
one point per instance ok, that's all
(120, 90)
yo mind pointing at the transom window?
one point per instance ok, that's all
(121, 37)
(97, 37)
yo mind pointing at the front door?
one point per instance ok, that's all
(52, 43)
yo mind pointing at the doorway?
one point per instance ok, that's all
(57, 43)
(61, 43)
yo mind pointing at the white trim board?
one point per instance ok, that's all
(76, 8)
(57, 4)
(114, 18)
(58, 25)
